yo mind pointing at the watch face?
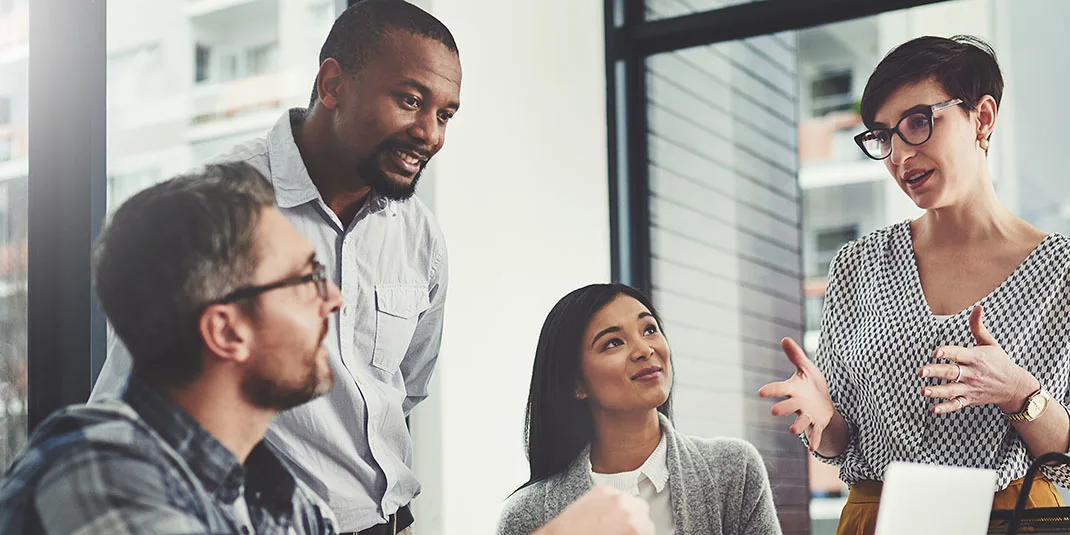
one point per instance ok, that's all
(1036, 405)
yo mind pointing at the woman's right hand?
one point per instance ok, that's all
(807, 393)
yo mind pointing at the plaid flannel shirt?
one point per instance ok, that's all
(143, 465)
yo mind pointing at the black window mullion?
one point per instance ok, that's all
(67, 188)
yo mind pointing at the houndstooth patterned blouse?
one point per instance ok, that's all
(877, 330)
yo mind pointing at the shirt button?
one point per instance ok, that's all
(347, 310)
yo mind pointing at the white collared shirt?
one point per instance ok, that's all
(650, 482)
(352, 446)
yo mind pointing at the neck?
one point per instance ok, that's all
(340, 186)
(979, 217)
(218, 405)
(623, 442)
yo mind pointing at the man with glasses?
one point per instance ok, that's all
(224, 308)
(344, 172)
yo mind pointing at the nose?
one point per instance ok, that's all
(428, 130)
(901, 151)
(334, 298)
(643, 351)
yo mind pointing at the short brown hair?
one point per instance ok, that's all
(168, 252)
(964, 65)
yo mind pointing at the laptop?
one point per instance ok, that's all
(921, 499)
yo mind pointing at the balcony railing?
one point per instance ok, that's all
(234, 98)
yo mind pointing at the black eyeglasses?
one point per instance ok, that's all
(915, 128)
(318, 276)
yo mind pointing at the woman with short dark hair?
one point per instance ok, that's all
(945, 339)
(599, 414)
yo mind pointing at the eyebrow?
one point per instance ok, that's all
(616, 328)
(309, 262)
(409, 82)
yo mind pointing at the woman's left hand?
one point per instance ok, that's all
(978, 375)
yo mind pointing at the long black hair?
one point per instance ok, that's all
(557, 425)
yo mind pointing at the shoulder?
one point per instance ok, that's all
(109, 422)
(725, 450)
(254, 152)
(417, 216)
(524, 510)
(854, 265)
(112, 467)
(58, 443)
(97, 457)
(103, 440)
(879, 246)
(1058, 252)
(421, 230)
(731, 465)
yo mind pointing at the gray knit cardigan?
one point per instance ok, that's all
(717, 487)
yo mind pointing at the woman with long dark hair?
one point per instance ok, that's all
(599, 414)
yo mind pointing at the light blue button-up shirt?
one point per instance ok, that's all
(352, 446)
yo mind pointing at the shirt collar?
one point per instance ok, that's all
(215, 465)
(655, 469)
(289, 176)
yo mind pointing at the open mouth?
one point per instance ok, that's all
(648, 373)
(914, 178)
(408, 160)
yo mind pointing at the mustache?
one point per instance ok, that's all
(423, 152)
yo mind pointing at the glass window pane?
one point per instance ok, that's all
(188, 80)
(725, 245)
(14, 116)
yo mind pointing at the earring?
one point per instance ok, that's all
(983, 142)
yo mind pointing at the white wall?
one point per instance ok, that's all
(521, 192)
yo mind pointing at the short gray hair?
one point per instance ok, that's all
(170, 251)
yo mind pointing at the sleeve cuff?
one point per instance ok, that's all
(837, 460)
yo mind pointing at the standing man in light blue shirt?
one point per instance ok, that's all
(344, 172)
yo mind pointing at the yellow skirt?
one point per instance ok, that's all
(859, 516)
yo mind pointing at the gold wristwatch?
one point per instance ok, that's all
(1034, 408)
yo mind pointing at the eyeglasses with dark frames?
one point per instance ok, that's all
(914, 128)
(318, 276)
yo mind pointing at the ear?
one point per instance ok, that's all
(226, 332)
(581, 392)
(986, 117)
(329, 81)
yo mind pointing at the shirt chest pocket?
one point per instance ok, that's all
(397, 310)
